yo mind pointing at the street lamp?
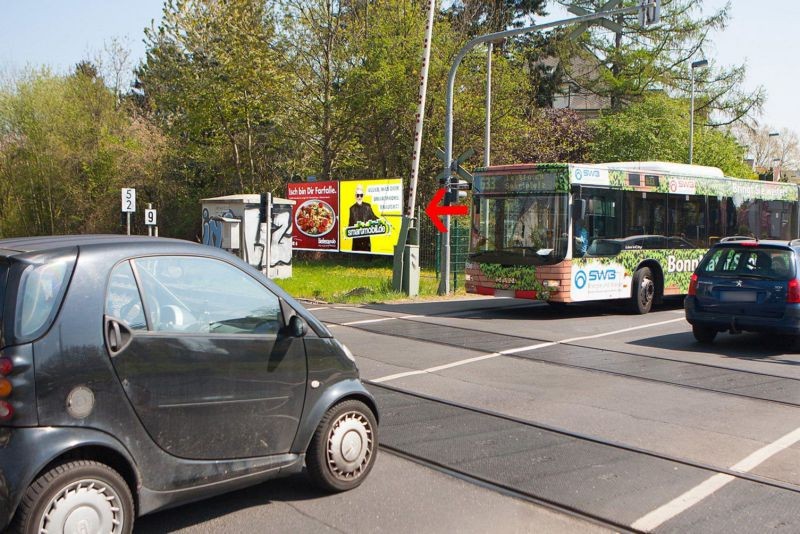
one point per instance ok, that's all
(770, 135)
(695, 64)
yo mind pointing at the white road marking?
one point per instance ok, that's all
(631, 329)
(382, 319)
(682, 503)
(511, 351)
(317, 309)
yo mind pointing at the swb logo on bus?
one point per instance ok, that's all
(580, 279)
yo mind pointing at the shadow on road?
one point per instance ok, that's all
(290, 489)
(745, 346)
(517, 309)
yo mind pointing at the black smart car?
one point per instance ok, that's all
(140, 373)
(743, 284)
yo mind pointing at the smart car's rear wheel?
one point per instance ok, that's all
(704, 334)
(80, 496)
(344, 447)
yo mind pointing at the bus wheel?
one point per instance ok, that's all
(644, 291)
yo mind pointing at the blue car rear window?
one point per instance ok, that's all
(773, 263)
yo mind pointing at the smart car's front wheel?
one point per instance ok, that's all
(78, 496)
(344, 447)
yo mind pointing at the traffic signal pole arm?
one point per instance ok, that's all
(444, 282)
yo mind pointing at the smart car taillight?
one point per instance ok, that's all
(793, 291)
(6, 366)
(6, 410)
(693, 285)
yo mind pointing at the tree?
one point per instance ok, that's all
(657, 128)
(768, 150)
(65, 151)
(553, 135)
(632, 61)
(213, 80)
(477, 17)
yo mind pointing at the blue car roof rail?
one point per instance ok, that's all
(739, 238)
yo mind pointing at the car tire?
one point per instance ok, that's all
(704, 334)
(344, 447)
(644, 291)
(76, 496)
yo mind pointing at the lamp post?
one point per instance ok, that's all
(768, 153)
(695, 64)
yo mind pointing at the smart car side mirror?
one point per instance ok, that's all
(297, 326)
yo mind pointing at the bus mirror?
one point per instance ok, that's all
(579, 209)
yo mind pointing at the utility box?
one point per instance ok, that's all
(230, 232)
(257, 228)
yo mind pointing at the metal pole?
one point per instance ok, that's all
(128, 217)
(268, 240)
(149, 227)
(487, 134)
(691, 120)
(444, 280)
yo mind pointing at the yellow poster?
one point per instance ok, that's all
(370, 214)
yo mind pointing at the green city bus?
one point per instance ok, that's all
(630, 230)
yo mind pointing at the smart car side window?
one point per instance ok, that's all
(205, 295)
(122, 298)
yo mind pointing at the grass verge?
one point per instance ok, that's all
(351, 281)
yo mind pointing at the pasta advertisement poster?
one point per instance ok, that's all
(358, 216)
(314, 215)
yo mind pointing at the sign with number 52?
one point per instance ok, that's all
(150, 217)
(128, 200)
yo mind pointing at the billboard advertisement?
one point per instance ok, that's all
(370, 213)
(315, 215)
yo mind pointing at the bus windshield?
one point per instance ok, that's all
(520, 228)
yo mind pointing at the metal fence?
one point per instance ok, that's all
(430, 247)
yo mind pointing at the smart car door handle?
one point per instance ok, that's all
(118, 336)
(115, 338)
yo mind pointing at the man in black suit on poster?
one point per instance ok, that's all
(361, 212)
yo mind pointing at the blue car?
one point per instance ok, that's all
(743, 284)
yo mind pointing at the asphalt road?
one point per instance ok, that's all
(512, 416)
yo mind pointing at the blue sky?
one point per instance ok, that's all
(59, 33)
